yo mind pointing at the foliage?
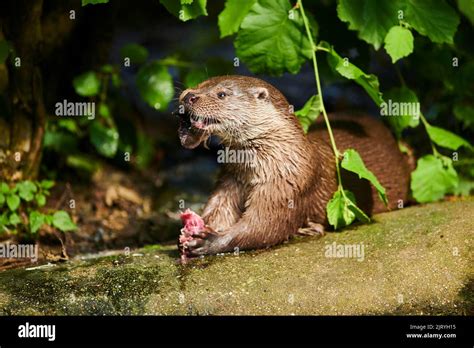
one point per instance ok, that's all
(21, 204)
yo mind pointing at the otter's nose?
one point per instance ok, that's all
(190, 98)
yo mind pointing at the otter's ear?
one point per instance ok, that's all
(260, 93)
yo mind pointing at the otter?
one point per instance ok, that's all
(286, 188)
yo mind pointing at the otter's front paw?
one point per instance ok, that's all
(206, 242)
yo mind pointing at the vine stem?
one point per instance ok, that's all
(320, 94)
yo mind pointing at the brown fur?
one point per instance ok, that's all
(293, 176)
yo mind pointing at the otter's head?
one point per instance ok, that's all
(235, 108)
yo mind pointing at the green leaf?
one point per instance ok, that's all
(232, 16)
(185, 9)
(3, 220)
(401, 108)
(371, 18)
(4, 188)
(13, 202)
(63, 222)
(104, 110)
(399, 43)
(465, 187)
(36, 220)
(433, 178)
(26, 190)
(432, 18)
(467, 8)
(137, 53)
(83, 162)
(14, 219)
(104, 139)
(342, 209)
(369, 82)
(87, 84)
(445, 138)
(308, 114)
(271, 42)
(40, 199)
(94, 2)
(46, 184)
(2, 199)
(155, 85)
(354, 163)
(5, 49)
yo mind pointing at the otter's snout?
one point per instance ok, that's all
(190, 98)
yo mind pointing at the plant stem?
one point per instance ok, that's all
(320, 94)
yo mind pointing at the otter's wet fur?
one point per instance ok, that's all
(292, 176)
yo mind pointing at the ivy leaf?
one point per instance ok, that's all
(445, 138)
(14, 219)
(399, 43)
(433, 18)
(36, 220)
(401, 108)
(372, 19)
(40, 199)
(104, 139)
(62, 221)
(369, 82)
(94, 2)
(26, 190)
(232, 16)
(186, 9)
(135, 52)
(354, 163)
(13, 202)
(308, 114)
(342, 209)
(87, 84)
(272, 39)
(433, 177)
(155, 85)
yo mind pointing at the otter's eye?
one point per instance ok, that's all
(221, 95)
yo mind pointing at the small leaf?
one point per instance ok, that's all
(26, 190)
(36, 221)
(354, 163)
(342, 209)
(186, 10)
(399, 43)
(87, 84)
(46, 184)
(232, 16)
(155, 85)
(104, 110)
(63, 222)
(13, 202)
(104, 139)
(308, 114)
(433, 178)
(445, 138)
(137, 53)
(40, 199)
(14, 219)
(4, 188)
